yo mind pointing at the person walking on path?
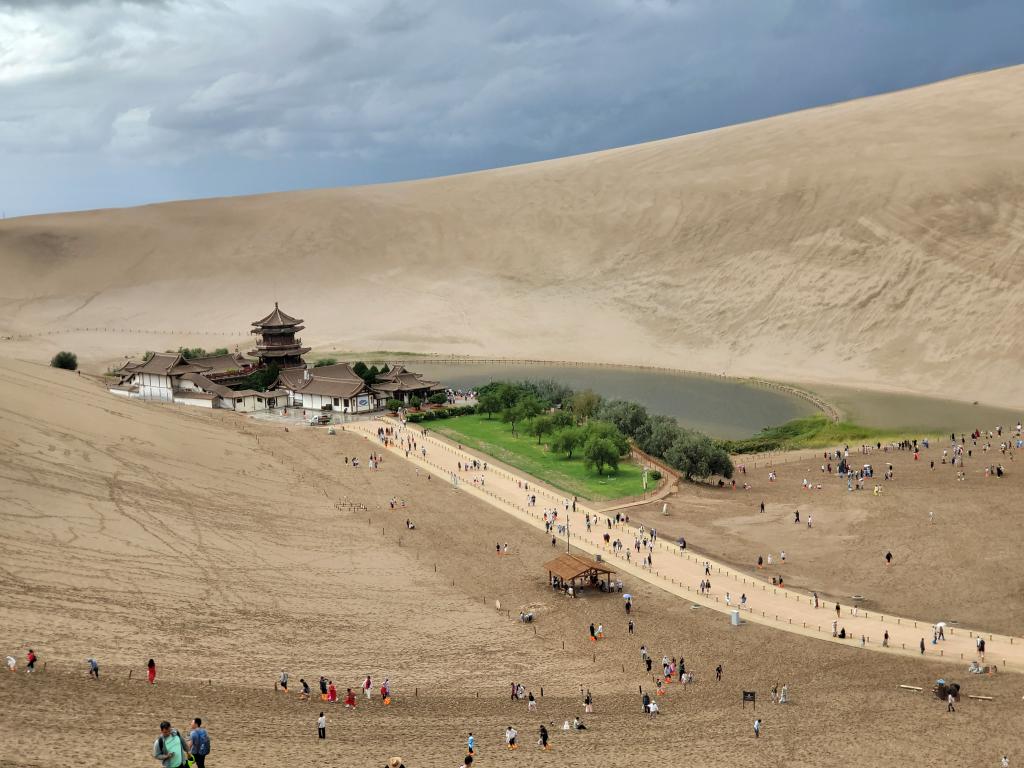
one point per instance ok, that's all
(169, 748)
(922, 646)
(151, 672)
(321, 726)
(199, 742)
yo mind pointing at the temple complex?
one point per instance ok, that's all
(277, 344)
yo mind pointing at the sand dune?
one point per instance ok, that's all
(211, 542)
(876, 242)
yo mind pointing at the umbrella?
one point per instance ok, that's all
(627, 596)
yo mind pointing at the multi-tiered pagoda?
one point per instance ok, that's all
(277, 344)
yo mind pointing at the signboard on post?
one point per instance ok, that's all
(751, 697)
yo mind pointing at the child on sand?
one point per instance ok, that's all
(350, 699)
(151, 672)
(332, 693)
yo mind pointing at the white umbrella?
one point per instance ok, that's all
(627, 596)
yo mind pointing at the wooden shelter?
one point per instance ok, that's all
(570, 568)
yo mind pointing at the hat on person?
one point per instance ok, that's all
(395, 762)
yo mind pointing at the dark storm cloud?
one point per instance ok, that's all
(110, 102)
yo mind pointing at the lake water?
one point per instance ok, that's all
(730, 408)
(718, 407)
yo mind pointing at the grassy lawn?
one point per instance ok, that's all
(494, 438)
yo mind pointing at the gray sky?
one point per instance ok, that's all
(108, 103)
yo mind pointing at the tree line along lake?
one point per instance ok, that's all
(726, 407)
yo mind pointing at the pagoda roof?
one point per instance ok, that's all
(280, 351)
(399, 379)
(338, 380)
(277, 319)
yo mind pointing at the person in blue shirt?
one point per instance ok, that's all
(199, 742)
(471, 744)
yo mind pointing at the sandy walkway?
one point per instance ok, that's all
(680, 573)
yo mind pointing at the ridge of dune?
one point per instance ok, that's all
(875, 242)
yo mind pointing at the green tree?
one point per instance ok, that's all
(394, 404)
(385, 369)
(661, 432)
(599, 452)
(698, 456)
(438, 398)
(488, 402)
(189, 352)
(585, 404)
(415, 402)
(360, 370)
(629, 417)
(567, 440)
(606, 431)
(220, 351)
(65, 360)
(539, 426)
(261, 380)
(371, 374)
(325, 361)
(562, 418)
(526, 407)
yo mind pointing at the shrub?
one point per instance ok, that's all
(65, 360)
(655, 475)
(394, 404)
(429, 415)
(415, 418)
(438, 398)
(415, 402)
(325, 361)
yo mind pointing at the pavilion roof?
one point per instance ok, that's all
(277, 319)
(166, 364)
(222, 363)
(338, 380)
(568, 567)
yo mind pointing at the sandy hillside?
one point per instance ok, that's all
(212, 543)
(875, 242)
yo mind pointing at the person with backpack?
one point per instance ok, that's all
(199, 742)
(169, 747)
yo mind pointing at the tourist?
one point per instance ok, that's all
(323, 688)
(511, 734)
(796, 516)
(600, 631)
(588, 703)
(151, 672)
(94, 668)
(630, 626)
(949, 702)
(350, 699)
(368, 688)
(304, 693)
(757, 728)
(332, 693)
(922, 646)
(471, 744)
(531, 703)
(652, 709)
(888, 558)
(467, 761)
(283, 681)
(321, 726)
(198, 742)
(30, 661)
(169, 747)
(718, 672)
(542, 742)
(12, 664)
(885, 639)
(593, 633)
(577, 724)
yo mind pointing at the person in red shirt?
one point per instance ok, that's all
(350, 699)
(31, 658)
(332, 693)
(151, 672)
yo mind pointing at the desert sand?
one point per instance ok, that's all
(228, 549)
(874, 242)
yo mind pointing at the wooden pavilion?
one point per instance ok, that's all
(568, 569)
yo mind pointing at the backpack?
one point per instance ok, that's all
(202, 745)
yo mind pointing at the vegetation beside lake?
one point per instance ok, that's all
(812, 432)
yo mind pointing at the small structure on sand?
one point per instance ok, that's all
(575, 571)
